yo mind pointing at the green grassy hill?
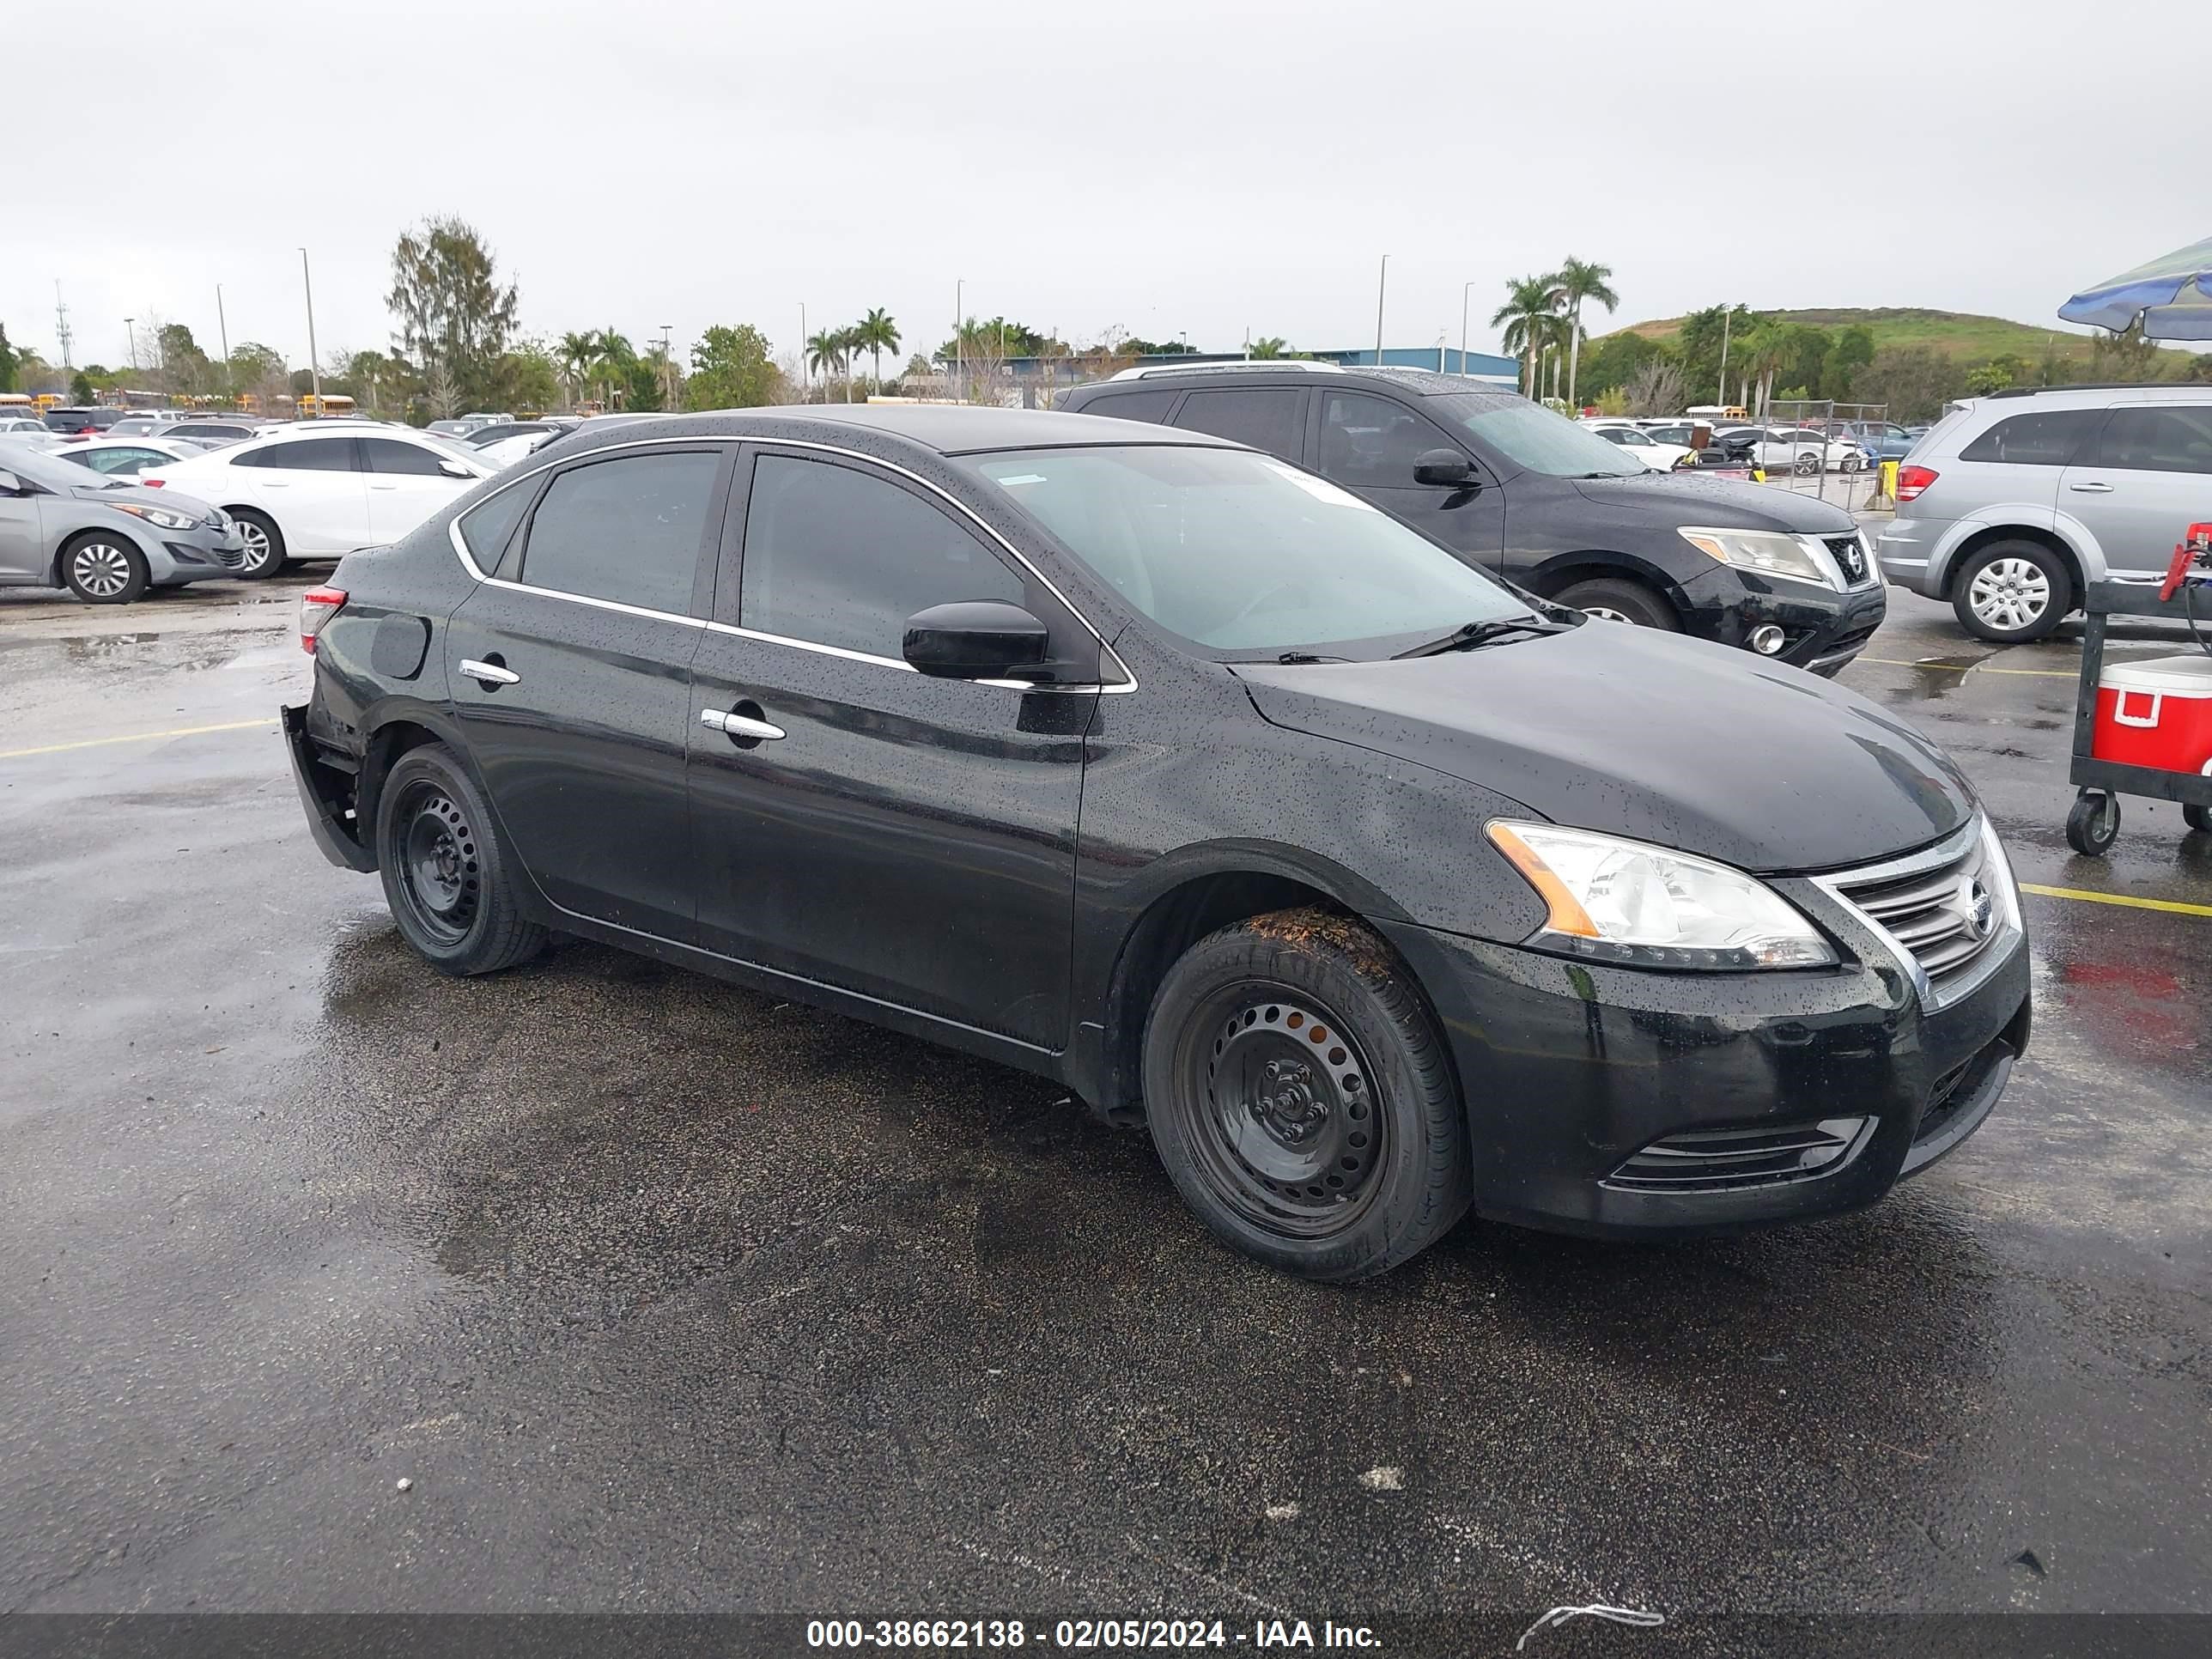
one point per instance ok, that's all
(1956, 333)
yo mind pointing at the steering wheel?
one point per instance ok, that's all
(1260, 601)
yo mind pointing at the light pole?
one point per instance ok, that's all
(1728, 316)
(132, 334)
(1381, 286)
(1464, 292)
(959, 343)
(315, 362)
(668, 367)
(805, 374)
(223, 328)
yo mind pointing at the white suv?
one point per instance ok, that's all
(2008, 508)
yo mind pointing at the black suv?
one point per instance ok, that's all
(1518, 491)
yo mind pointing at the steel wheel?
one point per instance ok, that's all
(440, 874)
(2009, 593)
(1285, 1130)
(99, 570)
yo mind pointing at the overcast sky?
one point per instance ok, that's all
(1191, 167)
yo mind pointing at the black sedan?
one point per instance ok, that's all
(1155, 765)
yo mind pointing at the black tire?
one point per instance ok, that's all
(1806, 465)
(2018, 575)
(1620, 598)
(1339, 1157)
(104, 569)
(446, 872)
(264, 545)
(2198, 818)
(2094, 825)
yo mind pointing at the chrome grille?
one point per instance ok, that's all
(1850, 556)
(1942, 909)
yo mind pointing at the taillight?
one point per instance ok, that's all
(1911, 480)
(317, 606)
(151, 483)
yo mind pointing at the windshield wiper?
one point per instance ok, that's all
(1468, 635)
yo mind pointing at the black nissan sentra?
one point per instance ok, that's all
(1155, 765)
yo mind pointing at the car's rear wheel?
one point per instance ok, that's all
(446, 875)
(2012, 592)
(1619, 598)
(104, 569)
(1302, 1099)
(263, 543)
(1806, 465)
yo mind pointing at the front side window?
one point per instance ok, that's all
(833, 556)
(1271, 418)
(1372, 443)
(1238, 553)
(2046, 438)
(1531, 437)
(2157, 440)
(391, 456)
(628, 529)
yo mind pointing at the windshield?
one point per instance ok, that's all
(1240, 555)
(1535, 438)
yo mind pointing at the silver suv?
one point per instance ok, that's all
(2007, 506)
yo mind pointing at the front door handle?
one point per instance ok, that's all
(2091, 489)
(490, 674)
(739, 726)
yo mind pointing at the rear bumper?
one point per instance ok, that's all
(322, 792)
(1621, 1103)
(1909, 552)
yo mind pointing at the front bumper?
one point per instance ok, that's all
(1582, 1079)
(190, 556)
(1825, 628)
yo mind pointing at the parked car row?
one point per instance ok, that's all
(107, 540)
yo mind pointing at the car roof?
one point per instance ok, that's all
(1420, 382)
(943, 429)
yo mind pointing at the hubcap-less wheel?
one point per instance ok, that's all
(101, 569)
(261, 552)
(2009, 593)
(441, 875)
(1289, 1133)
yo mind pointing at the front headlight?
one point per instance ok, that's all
(1626, 901)
(160, 516)
(1767, 552)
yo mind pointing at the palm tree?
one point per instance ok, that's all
(878, 333)
(822, 349)
(1268, 348)
(1576, 281)
(1525, 316)
(575, 353)
(611, 356)
(850, 342)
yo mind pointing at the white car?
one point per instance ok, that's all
(307, 492)
(22, 429)
(126, 457)
(1802, 449)
(1660, 458)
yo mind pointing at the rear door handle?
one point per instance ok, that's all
(2091, 489)
(490, 674)
(738, 725)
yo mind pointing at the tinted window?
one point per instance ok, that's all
(838, 557)
(485, 528)
(309, 455)
(2047, 437)
(389, 455)
(627, 529)
(1151, 406)
(1265, 417)
(2156, 441)
(1372, 442)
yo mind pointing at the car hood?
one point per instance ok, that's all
(1720, 503)
(115, 494)
(1634, 731)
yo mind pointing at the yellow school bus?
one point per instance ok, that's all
(329, 406)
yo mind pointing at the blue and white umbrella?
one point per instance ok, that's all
(2173, 296)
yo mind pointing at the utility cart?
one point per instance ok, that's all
(2145, 728)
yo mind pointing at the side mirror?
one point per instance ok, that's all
(455, 470)
(974, 639)
(1446, 467)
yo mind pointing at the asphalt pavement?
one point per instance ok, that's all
(333, 1285)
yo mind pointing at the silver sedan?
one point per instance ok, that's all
(106, 541)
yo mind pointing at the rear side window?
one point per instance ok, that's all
(1151, 406)
(389, 455)
(309, 455)
(838, 557)
(486, 527)
(2049, 437)
(627, 529)
(1272, 418)
(2156, 441)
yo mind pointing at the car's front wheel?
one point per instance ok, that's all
(2012, 592)
(263, 543)
(1301, 1097)
(1616, 598)
(448, 876)
(1806, 465)
(104, 569)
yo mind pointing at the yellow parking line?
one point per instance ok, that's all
(1978, 668)
(135, 737)
(2174, 906)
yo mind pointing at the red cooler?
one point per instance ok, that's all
(2156, 714)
